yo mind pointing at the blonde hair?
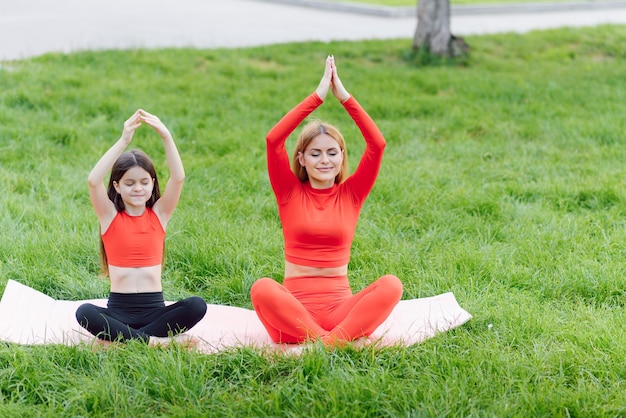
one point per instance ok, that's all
(310, 131)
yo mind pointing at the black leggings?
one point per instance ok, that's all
(138, 316)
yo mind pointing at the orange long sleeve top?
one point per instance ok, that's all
(319, 224)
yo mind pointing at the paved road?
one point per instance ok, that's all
(33, 27)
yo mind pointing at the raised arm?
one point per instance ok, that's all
(364, 177)
(281, 176)
(103, 206)
(339, 91)
(281, 131)
(164, 207)
(327, 79)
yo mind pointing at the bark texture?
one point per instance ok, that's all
(433, 29)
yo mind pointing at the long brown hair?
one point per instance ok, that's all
(126, 161)
(309, 132)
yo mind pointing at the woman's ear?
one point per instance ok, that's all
(301, 158)
(116, 187)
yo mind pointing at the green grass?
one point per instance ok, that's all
(503, 182)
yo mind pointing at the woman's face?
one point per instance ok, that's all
(135, 187)
(322, 160)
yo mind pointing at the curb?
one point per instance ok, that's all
(399, 11)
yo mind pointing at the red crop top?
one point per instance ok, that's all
(319, 224)
(134, 241)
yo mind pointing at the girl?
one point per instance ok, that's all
(319, 205)
(133, 216)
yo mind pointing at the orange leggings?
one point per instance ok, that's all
(306, 308)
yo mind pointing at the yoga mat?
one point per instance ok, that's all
(30, 317)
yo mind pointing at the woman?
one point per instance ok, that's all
(319, 204)
(133, 217)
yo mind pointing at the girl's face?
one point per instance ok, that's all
(322, 160)
(135, 188)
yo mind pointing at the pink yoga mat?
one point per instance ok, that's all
(31, 317)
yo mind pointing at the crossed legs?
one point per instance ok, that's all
(140, 321)
(307, 308)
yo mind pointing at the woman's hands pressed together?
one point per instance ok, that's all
(331, 81)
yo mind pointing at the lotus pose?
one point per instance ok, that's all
(133, 217)
(319, 205)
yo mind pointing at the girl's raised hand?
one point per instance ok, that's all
(155, 123)
(130, 126)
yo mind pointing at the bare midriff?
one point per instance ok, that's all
(135, 279)
(296, 270)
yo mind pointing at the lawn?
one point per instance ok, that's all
(502, 182)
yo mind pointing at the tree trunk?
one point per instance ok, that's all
(433, 29)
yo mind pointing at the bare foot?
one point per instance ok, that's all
(339, 343)
(363, 342)
(99, 344)
(333, 342)
(296, 350)
(186, 341)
